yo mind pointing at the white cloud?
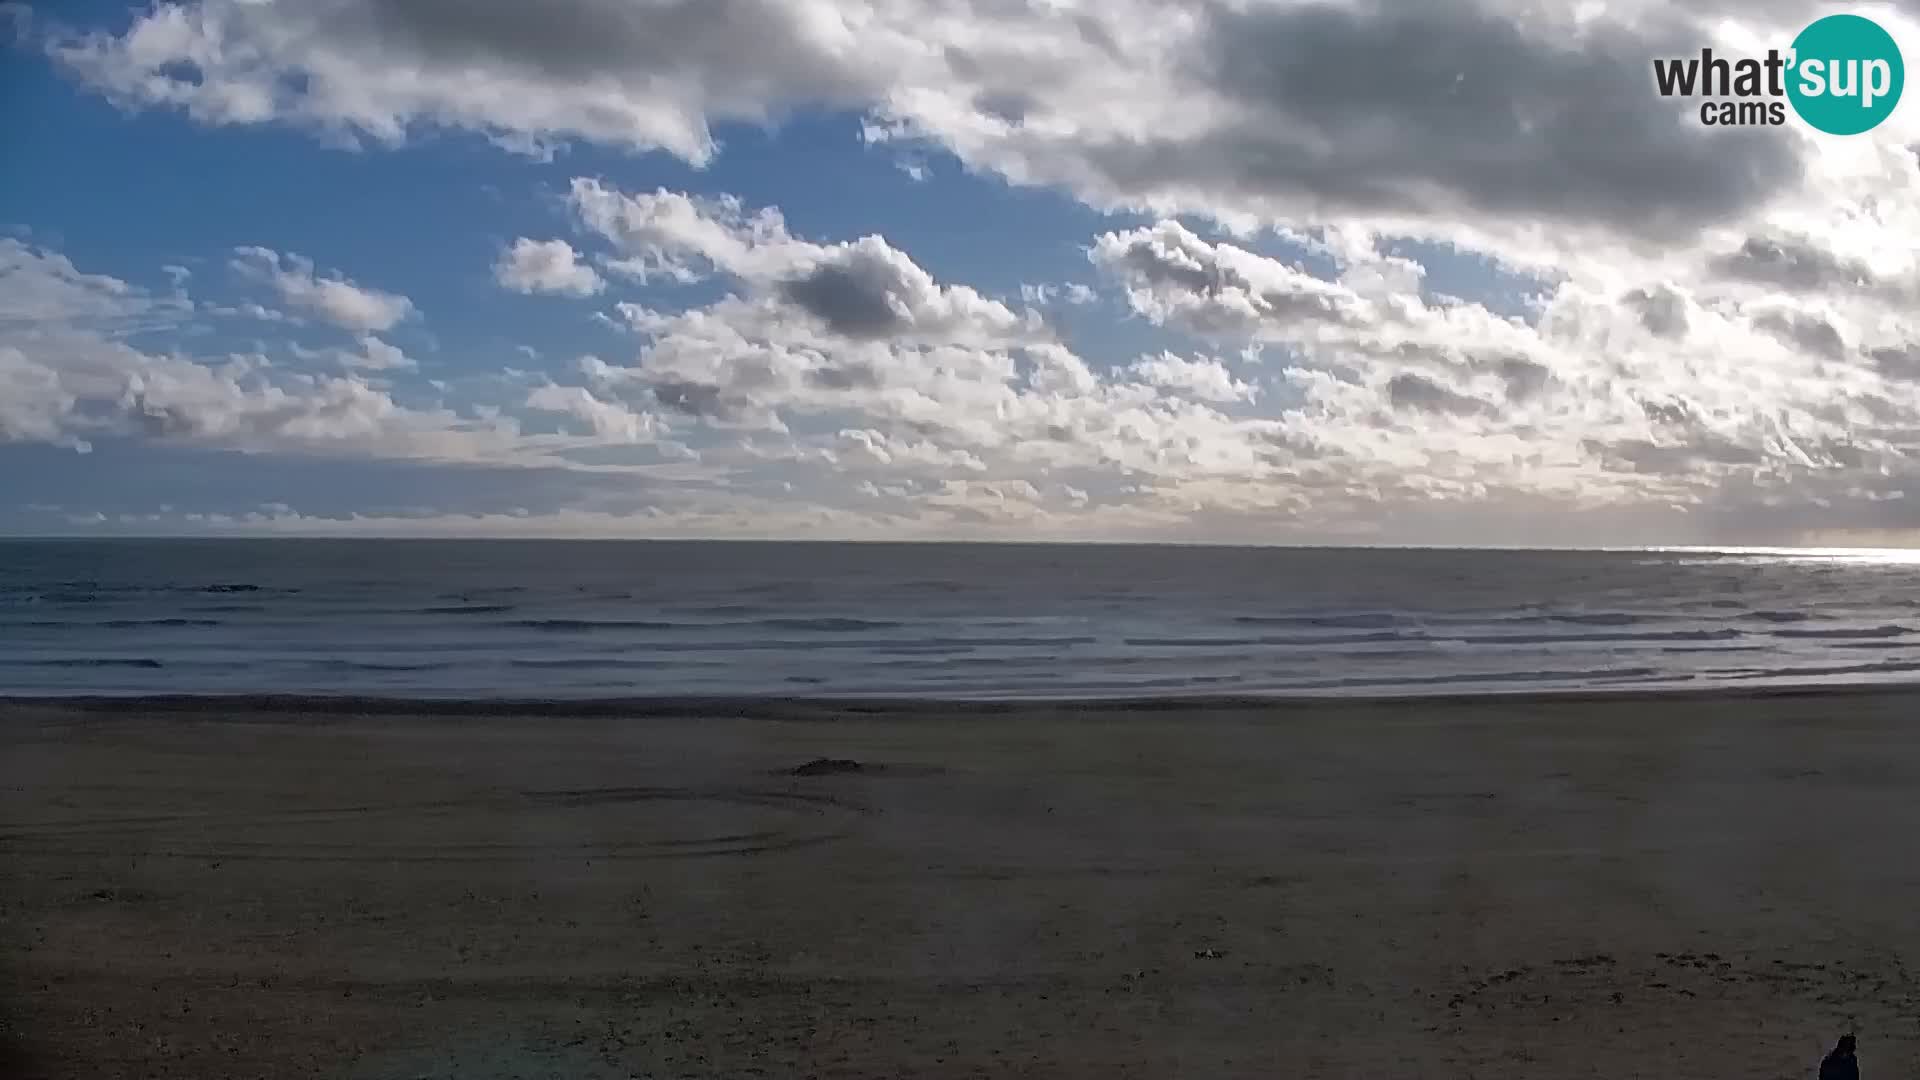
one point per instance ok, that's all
(1482, 120)
(39, 286)
(377, 355)
(1525, 133)
(609, 420)
(1611, 403)
(682, 237)
(33, 403)
(333, 298)
(1719, 330)
(1206, 379)
(82, 388)
(640, 75)
(253, 311)
(70, 377)
(545, 266)
(903, 455)
(1073, 293)
(863, 289)
(1220, 290)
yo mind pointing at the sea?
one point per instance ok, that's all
(607, 619)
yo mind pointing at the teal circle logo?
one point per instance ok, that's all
(1846, 74)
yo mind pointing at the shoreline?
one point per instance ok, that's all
(793, 707)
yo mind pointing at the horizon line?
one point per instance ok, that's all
(1814, 550)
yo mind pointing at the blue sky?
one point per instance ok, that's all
(1038, 270)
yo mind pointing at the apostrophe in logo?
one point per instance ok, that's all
(1847, 74)
(1843, 75)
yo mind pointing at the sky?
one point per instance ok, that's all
(1244, 271)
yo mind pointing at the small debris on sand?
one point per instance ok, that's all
(828, 766)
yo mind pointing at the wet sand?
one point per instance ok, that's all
(1681, 886)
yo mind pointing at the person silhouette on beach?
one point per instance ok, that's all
(1841, 1064)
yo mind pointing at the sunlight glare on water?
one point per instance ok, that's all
(1882, 556)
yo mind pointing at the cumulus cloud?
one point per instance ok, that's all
(1662, 309)
(1073, 293)
(931, 370)
(869, 289)
(849, 372)
(865, 289)
(1425, 110)
(679, 237)
(1423, 113)
(609, 420)
(1709, 327)
(330, 297)
(545, 266)
(70, 376)
(645, 75)
(377, 355)
(39, 286)
(1205, 379)
(1605, 400)
(1173, 275)
(1794, 262)
(92, 388)
(1411, 390)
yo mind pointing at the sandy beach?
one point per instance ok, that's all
(1681, 886)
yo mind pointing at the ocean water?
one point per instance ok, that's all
(600, 619)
